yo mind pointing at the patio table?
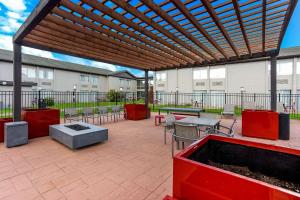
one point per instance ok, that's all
(181, 110)
(214, 123)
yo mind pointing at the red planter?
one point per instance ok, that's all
(136, 111)
(260, 124)
(39, 121)
(2, 122)
(193, 179)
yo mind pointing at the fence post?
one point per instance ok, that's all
(225, 97)
(39, 99)
(279, 97)
(242, 101)
(116, 98)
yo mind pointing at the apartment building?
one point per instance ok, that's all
(252, 76)
(52, 75)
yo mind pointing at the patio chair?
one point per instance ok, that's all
(88, 113)
(102, 112)
(249, 105)
(223, 130)
(168, 125)
(115, 112)
(280, 107)
(71, 114)
(228, 109)
(184, 133)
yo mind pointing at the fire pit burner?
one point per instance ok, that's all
(77, 127)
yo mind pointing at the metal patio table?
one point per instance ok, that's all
(209, 122)
(181, 110)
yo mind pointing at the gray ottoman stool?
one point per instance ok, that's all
(15, 133)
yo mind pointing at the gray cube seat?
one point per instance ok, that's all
(75, 139)
(15, 133)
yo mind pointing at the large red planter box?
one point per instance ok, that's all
(136, 111)
(260, 124)
(194, 178)
(2, 122)
(39, 121)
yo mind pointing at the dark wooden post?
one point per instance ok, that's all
(273, 84)
(146, 92)
(17, 67)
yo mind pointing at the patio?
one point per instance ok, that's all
(133, 164)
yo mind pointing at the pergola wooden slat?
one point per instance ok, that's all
(156, 35)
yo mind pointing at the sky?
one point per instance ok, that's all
(14, 12)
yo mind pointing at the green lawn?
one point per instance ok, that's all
(154, 107)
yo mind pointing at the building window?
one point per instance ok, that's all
(31, 73)
(161, 76)
(45, 74)
(298, 67)
(217, 73)
(285, 68)
(200, 74)
(84, 78)
(128, 82)
(94, 80)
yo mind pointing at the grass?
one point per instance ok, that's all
(7, 112)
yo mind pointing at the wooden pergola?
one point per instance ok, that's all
(154, 35)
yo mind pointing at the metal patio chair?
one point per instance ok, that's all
(102, 112)
(88, 113)
(116, 112)
(224, 130)
(184, 133)
(71, 114)
(228, 109)
(168, 125)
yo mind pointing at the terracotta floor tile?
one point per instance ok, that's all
(133, 164)
(21, 182)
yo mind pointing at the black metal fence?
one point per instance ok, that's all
(66, 99)
(214, 102)
(211, 102)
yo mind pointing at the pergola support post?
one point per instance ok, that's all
(17, 73)
(273, 84)
(146, 92)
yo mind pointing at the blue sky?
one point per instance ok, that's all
(14, 12)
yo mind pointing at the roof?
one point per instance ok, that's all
(289, 52)
(123, 74)
(6, 55)
(158, 35)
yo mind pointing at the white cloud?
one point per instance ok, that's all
(6, 42)
(10, 25)
(103, 65)
(14, 5)
(37, 52)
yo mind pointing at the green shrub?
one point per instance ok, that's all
(49, 101)
(112, 95)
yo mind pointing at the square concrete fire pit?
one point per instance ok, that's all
(78, 134)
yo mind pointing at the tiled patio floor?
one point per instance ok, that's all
(133, 164)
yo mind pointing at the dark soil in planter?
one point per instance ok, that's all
(258, 176)
(276, 168)
(77, 127)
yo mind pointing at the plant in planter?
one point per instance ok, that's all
(226, 168)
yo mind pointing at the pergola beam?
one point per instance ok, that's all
(179, 52)
(38, 14)
(195, 22)
(215, 18)
(238, 14)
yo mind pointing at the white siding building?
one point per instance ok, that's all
(252, 76)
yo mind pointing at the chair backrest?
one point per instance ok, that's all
(170, 120)
(280, 107)
(115, 109)
(186, 132)
(103, 110)
(228, 107)
(70, 111)
(249, 105)
(209, 115)
(88, 111)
